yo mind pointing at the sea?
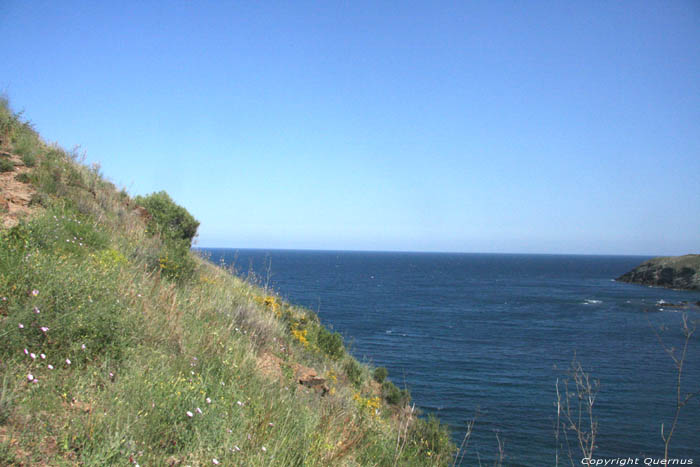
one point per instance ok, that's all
(487, 338)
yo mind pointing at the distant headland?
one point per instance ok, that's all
(674, 272)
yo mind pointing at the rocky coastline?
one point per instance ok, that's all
(674, 272)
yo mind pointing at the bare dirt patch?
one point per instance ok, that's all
(14, 195)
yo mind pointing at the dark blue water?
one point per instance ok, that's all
(488, 335)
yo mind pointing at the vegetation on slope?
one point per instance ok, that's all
(675, 272)
(118, 345)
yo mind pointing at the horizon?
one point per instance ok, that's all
(503, 253)
(482, 127)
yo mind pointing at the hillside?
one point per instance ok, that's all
(676, 272)
(118, 345)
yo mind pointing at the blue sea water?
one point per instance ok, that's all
(489, 335)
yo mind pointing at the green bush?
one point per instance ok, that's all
(353, 372)
(23, 177)
(9, 121)
(330, 343)
(168, 219)
(394, 395)
(29, 160)
(6, 165)
(25, 141)
(175, 261)
(380, 374)
(431, 436)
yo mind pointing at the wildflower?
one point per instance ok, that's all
(68, 361)
(35, 292)
(35, 380)
(82, 346)
(21, 326)
(208, 400)
(215, 462)
(190, 414)
(43, 356)
(30, 377)
(111, 375)
(26, 352)
(270, 424)
(239, 403)
(236, 448)
(44, 329)
(264, 449)
(33, 356)
(198, 410)
(36, 310)
(49, 366)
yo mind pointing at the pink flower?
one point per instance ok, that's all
(36, 310)
(264, 449)
(82, 346)
(49, 366)
(43, 356)
(26, 352)
(68, 361)
(33, 356)
(208, 400)
(35, 292)
(44, 329)
(30, 377)
(198, 410)
(21, 326)
(190, 414)
(215, 462)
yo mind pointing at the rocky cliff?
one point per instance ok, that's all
(676, 272)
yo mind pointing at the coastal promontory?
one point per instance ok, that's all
(675, 272)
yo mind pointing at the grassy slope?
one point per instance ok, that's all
(146, 347)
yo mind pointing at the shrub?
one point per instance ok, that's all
(23, 177)
(380, 374)
(353, 372)
(431, 436)
(29, 160)
(175, 261)
(6, 165)
(26, 142)
(330, 343)
(168, 219)
(394, 395)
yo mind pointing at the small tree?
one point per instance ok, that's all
(168, 219)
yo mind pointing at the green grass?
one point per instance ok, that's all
(6, 165)
(139, 331)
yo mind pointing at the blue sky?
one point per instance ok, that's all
(538, 127)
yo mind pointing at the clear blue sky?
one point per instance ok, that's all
(493, 126)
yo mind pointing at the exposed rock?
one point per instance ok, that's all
(315, 383)
(142, 213)
(16, 196)
(271, 365)
(675, 272)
